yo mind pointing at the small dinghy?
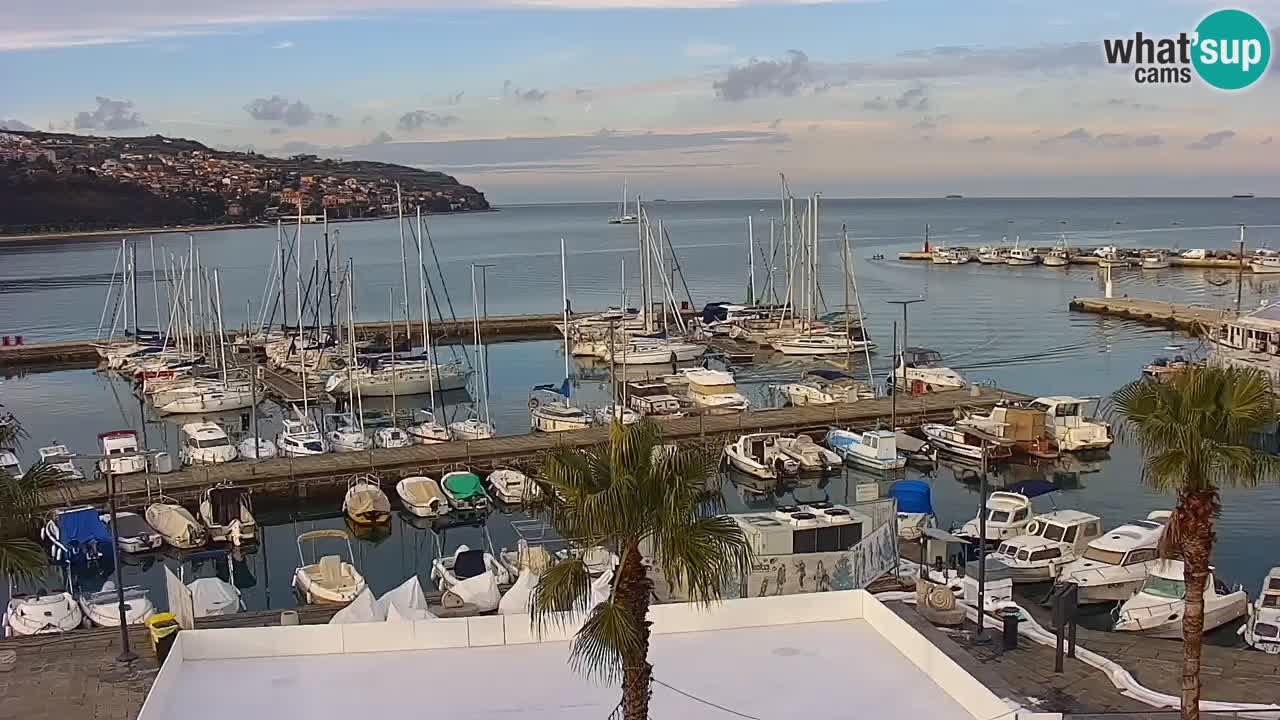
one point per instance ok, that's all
(211, 597)
(257, 449)
(464, 565)
(102, 609)
(41, 613)
(811, 456)
(391, 437)
(134, 534)
(176, 524)
(60, 458)
(365, 503)
(227, 511)
(511, 486)
(329, 580)
(77, 535)
(422, 496)
(465, 491)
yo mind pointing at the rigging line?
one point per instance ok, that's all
(426, 230)
(435, 301)
(656, 681)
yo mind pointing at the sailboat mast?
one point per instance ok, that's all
(769, 284)
(751, 263)
(133, 269)
(404, 271)
(644, 293)
(302, 347)
(222, 346)
(426, 316)
(844, 260)
(391, 324)
(284, 276)
(564, 290)
(155, 289)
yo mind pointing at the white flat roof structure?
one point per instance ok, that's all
(828, 655)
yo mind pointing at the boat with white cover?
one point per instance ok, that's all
(1070, 427)
(213, 597)
(43, 612)
(714, 391)
(391, 437)
(134, 534)
(1156, 610)
(255, 448)
(825, 387)
(1262, 630)
(921, 370)
(205, 443)
(1114, 566)
(759, 455)
(227, 512)
(102, 609)
(511, 486)
(1051, 541)
(448, 571)
(811, 456)
(422, 496)
(175, 524)
(330, 579)
(874, 449)
(121, 449)
(60, 458)
(365, 502)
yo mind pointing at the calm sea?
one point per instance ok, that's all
(999, 324)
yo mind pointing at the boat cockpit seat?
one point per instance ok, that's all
(469, 564)
(330, 570)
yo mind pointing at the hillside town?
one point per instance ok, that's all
(222, 186)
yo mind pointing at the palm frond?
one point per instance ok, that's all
(21, 558)
(563, 588)
(609, 636)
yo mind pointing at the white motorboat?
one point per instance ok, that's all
(1262, 630)
(875, 449)
(759, 455)
(993, 255)
(464, 564)
(653, 399)
(405, 377)
(175, 524)
(9, 464)
(714, 391)
(422, 496)
(616, 413)
(133, 534)
(212, 597)
(1008, 515)
(365, 502)
(655, 351)
(205, 443)
(967, 442)
(426, 429)
(299, 437)
(464, 490)
(345, 433)
(1050, 542)
(473, 428)
(1022, 256)
(1060, 255)
(1157, 608)
(1155, 260)
(811, 456)
(102, 609)
(59, 457)
(124, 444)
(1114, 566)
(220, 399)
(41, 613)
(511, 486)
(329, 580)
(227, 512)
(391, 437)
(255, 448)
(1069, 427)
(1265, 264)
(825, 387)
(1113, 259)
(921, 370)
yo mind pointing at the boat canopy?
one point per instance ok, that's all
(226, 503)
(913, 496)
(80, 529)
(1032, 488)
(314, 535)
(463, 485)
(831, 375)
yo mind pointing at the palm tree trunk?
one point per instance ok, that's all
(1197, 509)
(634, 587)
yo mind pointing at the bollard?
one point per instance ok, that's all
(1009, 616)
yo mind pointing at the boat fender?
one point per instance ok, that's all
(533, 403)
(1033, 527)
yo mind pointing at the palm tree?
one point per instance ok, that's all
(20, 555)
(655, 506)
(1194, 433)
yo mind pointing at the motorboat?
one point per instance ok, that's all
(811, 456)
(1069, 427)
(825, 387)
(1262, 630)
(473, 428)
(365, 503)
(256, 448)
(222, 398)
(949, 256)
(914, 499)
(616, 413)
(1008, 514)
(102, 609)
(511, 486)
(1024, 427)
(1022, 256)
(329, 580)
(60, 458)
(43, 612)
(205, 443)
(77, 536)
(652, 399)
(426, 429)
(1113, 259)
(391, 437)
(1059, 256)
(227, 512)
(213, 597)
(9, 464)
(1265, 262)
(465, 563)
(1156, 610)
(654, 351)
(300, 437)
(133, 534)
(921, 370)
(464, 491)
(915, 449)
(967, 442)
(874, 449)
(345, 433)
(422, 496)
(1051, 541)
(378, 377)
(1114, 566)
(1163, 369)
(1155, 260)
(993, 255)
(759, 455)
(123, 456)
(175, 524)
(714, 391)
(818, 343)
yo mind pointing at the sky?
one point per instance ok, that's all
(560, 100)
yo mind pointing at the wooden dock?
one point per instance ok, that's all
(1087, 257)
(287, 387)
(1192, 318)
(328, 474)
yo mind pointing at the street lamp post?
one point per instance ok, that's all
(126, 653)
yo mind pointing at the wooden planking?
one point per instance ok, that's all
(321, 473)
(1151, 312)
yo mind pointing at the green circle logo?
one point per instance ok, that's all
(1231, 49)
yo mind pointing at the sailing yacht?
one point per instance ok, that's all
(426, 429)
(346, 433)
(299, 436)
(559, 414)
(623, 218)
(375, 377)
(476, 427)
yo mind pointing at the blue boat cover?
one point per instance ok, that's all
(913, 496)
(1033, 488)
(79, 529)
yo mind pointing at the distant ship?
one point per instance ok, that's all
(1243, 196)
(955, 197)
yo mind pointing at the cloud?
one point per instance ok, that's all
(276, 131)
(14, 124)
(706, 50)
(1077, 135)
(760, 78)
(1212, 140)
(929, 122)
(1112, 140)
(418, 119)
(1148, 141)
(531, 95)
(367, 121)
(877, 103)
(1130, 104)
(109, 115)
(984, 140)
(278, 109)
(380, 138)
(777, 123)
(330, 120)
(282, 45)
(300, 147)
(454, 99)
(914, 99)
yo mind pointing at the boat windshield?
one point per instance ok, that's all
(1164, 587)
(1266, 630)
(1107, 557)
(999, 516)
(1053, 532)
(213, 443)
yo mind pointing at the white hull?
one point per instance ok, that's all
(1155, 264)
(657, 355)
(1118, 591)
(801, 395)
(422, 496)
(472, 429)
(1229, 610)
(42, 615)
(802, 347)
(414, 381)
(208, 456)
(1264, 268)
(257, 449)
(105, 612)
(125, 466)
(951, 447)
(348, 441)
(314, 593)
(547, 422)
(215, 401)
(1055, 261)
